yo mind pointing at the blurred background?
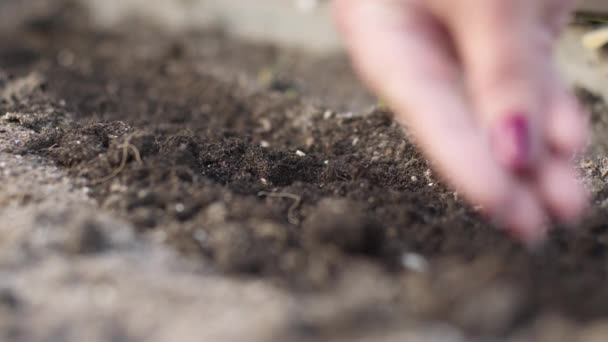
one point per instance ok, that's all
(293, 23)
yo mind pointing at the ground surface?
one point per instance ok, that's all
(158, 188)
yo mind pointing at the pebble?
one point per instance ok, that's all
(414, 262)
(300, 153)
(348, 115)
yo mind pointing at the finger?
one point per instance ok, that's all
(502, 48)
(403, 58)
(566, 126)
(558, 186)
(529, 225)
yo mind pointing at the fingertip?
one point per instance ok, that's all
(566, 198)
(518, 212)
(526, 220)
(567, 126)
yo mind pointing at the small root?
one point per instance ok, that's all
(291, 212)
(410, 162)
(125, 147)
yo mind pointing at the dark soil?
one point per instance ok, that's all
(229, 149)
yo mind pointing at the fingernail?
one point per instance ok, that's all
(512, 142)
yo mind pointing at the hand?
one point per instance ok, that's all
(474, 81)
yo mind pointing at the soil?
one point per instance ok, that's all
(268, 165)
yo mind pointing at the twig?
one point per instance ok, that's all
(125, 146)
(297, 200)
(410, 162)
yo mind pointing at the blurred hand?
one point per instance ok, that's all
(474, 81)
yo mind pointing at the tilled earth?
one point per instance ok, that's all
(196, 187)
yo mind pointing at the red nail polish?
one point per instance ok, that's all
(512, 142)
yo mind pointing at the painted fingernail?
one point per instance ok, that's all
(512, 142)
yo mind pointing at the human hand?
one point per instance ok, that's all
(475, 83)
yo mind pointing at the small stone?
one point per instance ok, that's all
(414, 262)
(347, 115)
(300, 153)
